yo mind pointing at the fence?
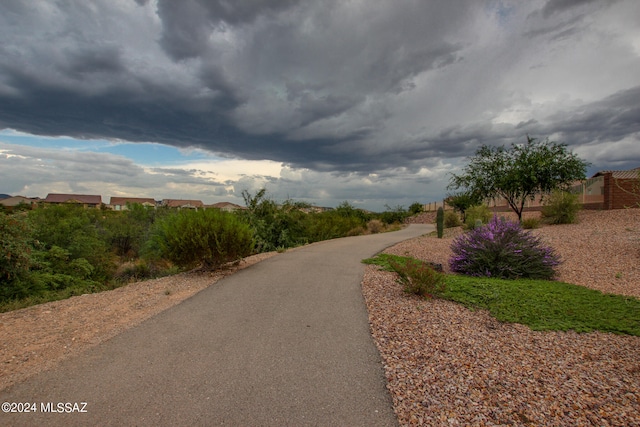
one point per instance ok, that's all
(592, 196)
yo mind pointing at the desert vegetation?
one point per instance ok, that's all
(54, 252)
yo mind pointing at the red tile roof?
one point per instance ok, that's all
(628, 174)
(89, 199)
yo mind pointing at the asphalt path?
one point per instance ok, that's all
(285, 342)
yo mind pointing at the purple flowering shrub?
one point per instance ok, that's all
(504, 250)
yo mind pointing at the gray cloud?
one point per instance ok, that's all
(553, 7)
(187, 25)
(608, 120)
(344, 88)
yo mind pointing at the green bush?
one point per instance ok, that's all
(208, 238)
(80, 232)
(416, 208)
(561, 208)
(15, 248)
(394, 215)
(418, 277)
(451, 219)
(279, 227)
(329, 225)
(530, 223)
(462, 201)
(475, 213)
(15, 258)
(126, 231)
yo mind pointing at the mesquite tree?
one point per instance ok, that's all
(520, 172)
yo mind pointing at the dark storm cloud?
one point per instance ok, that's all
(328, 85)
(610, 119)
(605, 121)
(187, 24)
(314, 69)
(90, 59)
(553, 7)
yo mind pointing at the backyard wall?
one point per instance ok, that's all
(603, 192)
(621, 193)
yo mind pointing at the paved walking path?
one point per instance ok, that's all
(284, 342)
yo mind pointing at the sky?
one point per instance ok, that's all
(371, 102)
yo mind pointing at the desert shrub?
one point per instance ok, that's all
(133, 271)
(15, 258)
(561, 208)
(475, 213)
(530, 223)
(375, 226)
(451, 219)
(142, 269)
(394, 215)
(127, 230)
(418, 277)
(415, 208)
(78, 231)
(462, 201)
(358, 231)
(15, 248)
(206, 238)
(331, 225)
(502, 249)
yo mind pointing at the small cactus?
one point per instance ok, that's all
(440, 222)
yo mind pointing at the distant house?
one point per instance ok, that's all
(120, 203)
(628, 174)
(88, 201)
(226, 206)
(183, 204)
(11, 202)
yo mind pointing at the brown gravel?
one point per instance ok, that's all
(39, 337)
(447, 365)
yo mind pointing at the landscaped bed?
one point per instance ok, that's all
(449, 365)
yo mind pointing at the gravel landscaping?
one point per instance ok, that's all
(447, 365)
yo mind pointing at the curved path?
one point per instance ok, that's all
(285, 342)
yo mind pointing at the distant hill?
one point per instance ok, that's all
(4, 196)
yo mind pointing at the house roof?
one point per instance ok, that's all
(73, 198)
(628, 174)
(16, 200)
(124, 200)
(177, 203)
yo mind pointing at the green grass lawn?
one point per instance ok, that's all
(540, 304)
